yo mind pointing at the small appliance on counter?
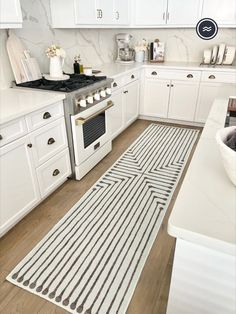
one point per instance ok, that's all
(125, 54)
(157, 51)
(219, 55)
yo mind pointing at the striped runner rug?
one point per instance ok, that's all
(90, 262)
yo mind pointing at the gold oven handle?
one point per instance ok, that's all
(81, 121)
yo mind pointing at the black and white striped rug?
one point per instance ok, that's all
(90, 262)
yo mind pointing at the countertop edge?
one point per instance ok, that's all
(185, 221)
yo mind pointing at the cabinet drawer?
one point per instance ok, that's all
(118, 83)
(132, 76)
(48, 141)
(54, 172)
(219, 77)
(12, 130)
(173, 75)
(44, 116)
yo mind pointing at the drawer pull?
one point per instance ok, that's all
(1, 137)
(46, 115)
(114, 84)
(211, 77)
(172, 85)
(189, 76)
(154, 73)
(125, 92)
(168, 85)
(51, 141)
(56, 172)
(132, 76)
(29, 145)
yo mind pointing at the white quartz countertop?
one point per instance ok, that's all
(15, 103)
(115, 69)
(205, 209)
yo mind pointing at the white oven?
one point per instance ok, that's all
(91, 136)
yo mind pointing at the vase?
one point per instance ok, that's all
(55, 68)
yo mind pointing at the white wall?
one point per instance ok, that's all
(98, 46)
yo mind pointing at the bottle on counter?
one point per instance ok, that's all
(77, 65)
(81, 67)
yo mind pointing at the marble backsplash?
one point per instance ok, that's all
(97, 46)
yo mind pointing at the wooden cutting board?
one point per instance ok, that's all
(15, 50)
(24, 68)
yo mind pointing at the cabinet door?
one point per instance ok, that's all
(18, 186)
(121, 12)
(151, 12)
(155, 98)
(183, 100)
(86, 12)
(223, 12)
(131, 103)
(10, 12)
(116, 114)
(183, 12)
(105, 11)
(208, 92)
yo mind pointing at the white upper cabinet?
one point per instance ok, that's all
(10, 14)
(223, 12)
(154, 13)
(139, 13)
(85, 12)
(150, 12)
(121, 12)
(89, 13)
(183, 12)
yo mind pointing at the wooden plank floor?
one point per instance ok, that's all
(151, 294)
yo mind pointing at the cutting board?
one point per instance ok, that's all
(24, 67)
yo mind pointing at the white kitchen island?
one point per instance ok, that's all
(203, 221)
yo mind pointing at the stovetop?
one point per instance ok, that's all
(75, 82)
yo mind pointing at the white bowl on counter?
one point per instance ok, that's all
(228, 155)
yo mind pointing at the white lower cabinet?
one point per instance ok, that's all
(208, 92)
(116, 113)
(125, 98)
(53, 172)
(18, 183)
(170, 94)
(131, 102)
(183, 100)
(156, 98)
(31, 166)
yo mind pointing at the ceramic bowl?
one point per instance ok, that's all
(228, 155)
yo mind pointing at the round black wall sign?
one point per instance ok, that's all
(207, 28)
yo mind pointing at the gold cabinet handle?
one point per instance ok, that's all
(80, 121)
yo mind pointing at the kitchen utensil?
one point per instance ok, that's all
(229, 55)
(220, 55)
(15, 50)
(214, 54)
(207, 53)
(126, 54)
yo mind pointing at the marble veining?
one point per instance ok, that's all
(98, 46)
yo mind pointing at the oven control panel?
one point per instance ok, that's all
(84, 102)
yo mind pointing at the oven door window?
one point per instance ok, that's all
(94, 129)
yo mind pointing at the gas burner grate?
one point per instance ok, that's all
(76, 81)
